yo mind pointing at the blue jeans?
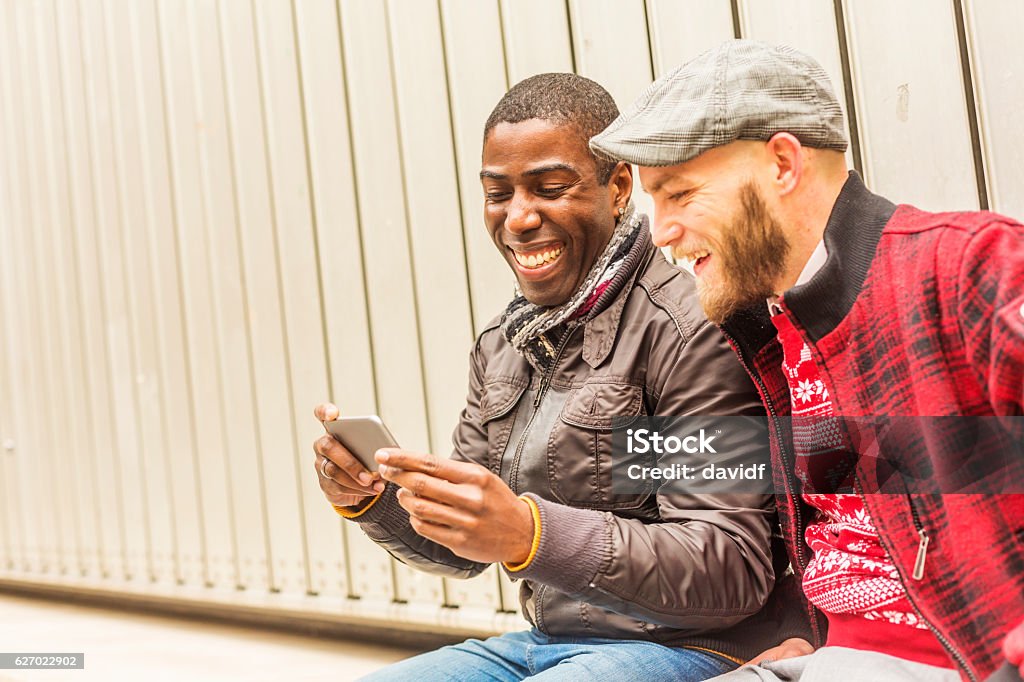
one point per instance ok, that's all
(532, 655)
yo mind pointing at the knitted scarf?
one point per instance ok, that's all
(536, 331)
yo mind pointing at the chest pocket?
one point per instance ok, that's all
(500, 396)
(580, 449)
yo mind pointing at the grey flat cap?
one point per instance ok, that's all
(740, 90)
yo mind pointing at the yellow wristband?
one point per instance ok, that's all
(536, 536)
(350, 513)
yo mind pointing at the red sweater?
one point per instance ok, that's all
(916, 314)
(850, 577)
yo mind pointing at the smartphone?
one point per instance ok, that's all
(362, 436)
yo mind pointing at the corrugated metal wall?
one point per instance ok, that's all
(216, 214)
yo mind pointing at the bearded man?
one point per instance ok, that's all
(863, 321)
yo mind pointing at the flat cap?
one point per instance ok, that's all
(740, 90)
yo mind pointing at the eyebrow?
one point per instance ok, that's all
(660, 183)
(654, 186)
(532, 172)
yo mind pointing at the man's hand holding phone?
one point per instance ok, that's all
(460, 505)
(344, 480)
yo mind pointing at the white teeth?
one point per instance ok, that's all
(538, 259)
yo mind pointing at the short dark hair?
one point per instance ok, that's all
(561, 98)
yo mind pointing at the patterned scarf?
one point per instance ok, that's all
(536, 331)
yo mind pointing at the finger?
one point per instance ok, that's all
(442, 535)
(328, 471)
(1013, 645)
(330, 484)
(333, 490)
(434, 512)
(330, 448)
(456, 472)
(326, 412)
(461, 496)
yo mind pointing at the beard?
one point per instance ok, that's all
(751, 258)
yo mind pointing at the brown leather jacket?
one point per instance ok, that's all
(683, 570)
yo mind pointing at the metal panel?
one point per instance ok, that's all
(280, 513)
(131, 148)
(121, 460)
(62, 272)
(377, 158)
(12, 423)
(193, 229)
(435, 230)
(471, 31)
(48, 539)
(536, 37)
(233, 555)
(612, 45)
(77, 65)
(175, 486)
(909, 93)
(300, 281)
(997, 56)
(682, 29)
(340, 259)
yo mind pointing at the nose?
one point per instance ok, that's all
(665, 230)
(522, 215)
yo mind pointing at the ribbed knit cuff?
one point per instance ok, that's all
(574, 545)
(383, 517)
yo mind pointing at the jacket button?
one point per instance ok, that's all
(593, 585)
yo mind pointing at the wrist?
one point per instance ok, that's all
(530, 539)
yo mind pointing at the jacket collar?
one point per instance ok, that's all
(852, 234)
(600, 331)
(851, 237)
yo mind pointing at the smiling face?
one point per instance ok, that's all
(544, 206)
(712, 214)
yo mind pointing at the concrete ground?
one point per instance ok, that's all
(130, 646)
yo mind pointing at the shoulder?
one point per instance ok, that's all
(953, 238)
(909, 220)
(671, 294)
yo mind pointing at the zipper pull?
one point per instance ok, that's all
(540, 391)
(922, 552)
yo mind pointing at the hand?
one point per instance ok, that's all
(348, 482)
(791, 648)
(1013, 648)
(460, 505)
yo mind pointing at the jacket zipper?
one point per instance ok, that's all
(922, 547)
(922, 551)
(545, 380)
(801, 561)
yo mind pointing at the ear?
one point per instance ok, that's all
(620, 186)
(787, 158)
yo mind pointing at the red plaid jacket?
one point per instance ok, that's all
(916, 314)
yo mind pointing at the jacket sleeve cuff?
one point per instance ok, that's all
(572, 548)
(356, 511)
(535, 512)
(382, 517)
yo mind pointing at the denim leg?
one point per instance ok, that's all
(621, 661)
(499, 659)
